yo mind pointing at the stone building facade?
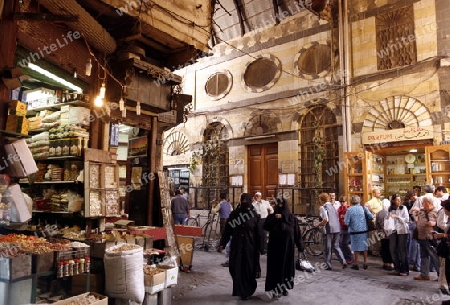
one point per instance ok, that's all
(287, 101)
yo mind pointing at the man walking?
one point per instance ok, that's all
(180, 208)
(263, 208)
(330, 221)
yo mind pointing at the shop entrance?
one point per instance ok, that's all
(393, 170)
(263, 169)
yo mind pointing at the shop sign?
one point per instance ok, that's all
(287, 166)
(395, 135)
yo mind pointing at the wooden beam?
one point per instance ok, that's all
(8, 36)
(44, 17)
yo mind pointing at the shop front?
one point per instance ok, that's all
(395, 161)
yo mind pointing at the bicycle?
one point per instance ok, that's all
(312, 236)
(209, 230)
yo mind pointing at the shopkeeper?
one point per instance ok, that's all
(180, 208)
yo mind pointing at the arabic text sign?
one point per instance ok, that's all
(395, 135)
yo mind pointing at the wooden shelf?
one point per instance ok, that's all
(52, 212)
(34, 111)
(50, 182)
(13, 134)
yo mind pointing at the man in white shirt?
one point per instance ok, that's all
(441, 193)
(336, 204)
(375, 205)
(429, 192)
(263, 208)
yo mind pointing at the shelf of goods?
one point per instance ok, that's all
(55, 187)
(390, 174)
(438, 163)
(357, 175)
(101, 189)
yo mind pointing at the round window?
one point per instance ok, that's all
(219, 84)
(262, 73)
(314, 60)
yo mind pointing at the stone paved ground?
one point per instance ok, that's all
(209, 283)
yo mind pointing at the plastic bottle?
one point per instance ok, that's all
(76, 266)
(71, 264)
(66, 268)
(88, 264)
(82, 265)
(60, 272)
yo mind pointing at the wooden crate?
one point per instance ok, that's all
(43, 262)
(15, 267)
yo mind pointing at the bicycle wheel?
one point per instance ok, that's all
(314, 242)
(192, 222)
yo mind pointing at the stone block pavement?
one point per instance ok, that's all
(210, 283)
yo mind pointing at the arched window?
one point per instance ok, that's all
(318, 153)
(215, 155)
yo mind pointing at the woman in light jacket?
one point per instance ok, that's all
(399, 236)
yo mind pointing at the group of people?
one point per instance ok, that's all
(343, 225)
(246, 230)
(412, 230)
(409, 231)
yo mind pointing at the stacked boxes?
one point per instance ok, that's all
(18, 108)
(75, 116)
(17, 122)
(68, 141)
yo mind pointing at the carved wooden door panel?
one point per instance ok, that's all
(263, 169)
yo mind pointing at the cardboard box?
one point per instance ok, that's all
(22, 163)
(15, 267)
(171, 275)
(18, 124)
(80, 299)
(17, 108)
(19, 207)
(155, 283)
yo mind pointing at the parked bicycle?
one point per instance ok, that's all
(312, 235)
(209, 230)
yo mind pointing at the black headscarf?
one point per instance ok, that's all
(246, 202)
(283, 209)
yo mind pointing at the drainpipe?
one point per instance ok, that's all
(345, 66)
(348, 75)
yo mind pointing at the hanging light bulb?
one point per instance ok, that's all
(138, 108)
(102, 90)
(88, 68)
(75, 73)
(121, 104)
(98, 102)
(124, 112)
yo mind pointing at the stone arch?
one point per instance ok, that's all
(261, 123)
(396, 112)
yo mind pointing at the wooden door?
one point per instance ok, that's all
(263, 169)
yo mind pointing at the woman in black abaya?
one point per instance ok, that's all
(284, 235)
(242, 228)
